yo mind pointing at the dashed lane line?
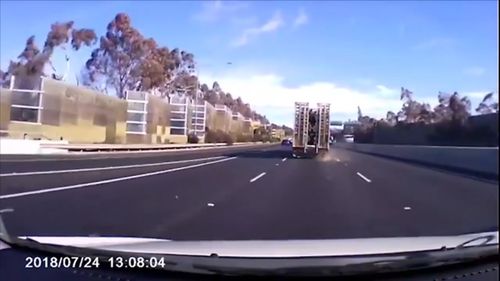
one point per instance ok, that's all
(363, 177)
(258, 177)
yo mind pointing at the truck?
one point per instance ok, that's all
(311, 135)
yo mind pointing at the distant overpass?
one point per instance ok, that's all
(340, 123)
(344, 127)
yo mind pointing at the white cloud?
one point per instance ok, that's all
(267, 93)
(214, 10)
(433, 43)
(474, 71)
(385, 91)
(248, 34)
(301, 19)
(364, 81)
(476, 95)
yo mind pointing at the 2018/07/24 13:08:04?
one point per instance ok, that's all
(94, 262)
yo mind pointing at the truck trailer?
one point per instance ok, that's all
(311, 135)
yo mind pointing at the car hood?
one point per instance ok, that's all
(274, 248)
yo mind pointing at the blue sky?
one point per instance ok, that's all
(347, 53)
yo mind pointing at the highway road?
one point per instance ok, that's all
(239, 193)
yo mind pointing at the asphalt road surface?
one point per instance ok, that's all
(239, 193)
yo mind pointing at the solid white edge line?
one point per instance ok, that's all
(258, 177)
(107, 168)
(363, 177)
(283, 160)
(61, 188)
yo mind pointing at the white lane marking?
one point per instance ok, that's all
(61, 188)
(336, 159)
(363, 177)
(7, 210)
(283, 160)
(107, 168)
(258, 177)
(210, 204)
(277, 164)
(407, 208)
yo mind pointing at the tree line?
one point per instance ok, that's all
(451, 108)
(122, 59)
(449, 118)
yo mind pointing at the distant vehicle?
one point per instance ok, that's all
(312, 129)
(286, 142)
(349, 138)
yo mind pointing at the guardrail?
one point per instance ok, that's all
(478, 161)
(134, 147)
(22, 146)
(26, 146)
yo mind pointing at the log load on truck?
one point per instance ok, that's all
(311, 134)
